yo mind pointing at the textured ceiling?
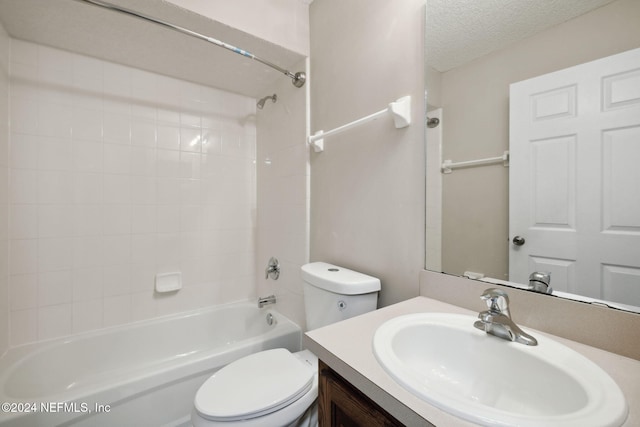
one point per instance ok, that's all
(83, 28)
(459, 31)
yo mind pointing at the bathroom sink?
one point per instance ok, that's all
(442, 359)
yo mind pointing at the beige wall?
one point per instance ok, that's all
(367, 187)
(283, 195)
(475, 102)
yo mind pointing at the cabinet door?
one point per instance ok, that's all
(340, 404)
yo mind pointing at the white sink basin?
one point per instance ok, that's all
(444, 360)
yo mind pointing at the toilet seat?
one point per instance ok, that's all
(254, 386)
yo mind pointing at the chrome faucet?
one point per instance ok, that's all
(497, 319)
(262, 301)
(539, 282)
(273, 269)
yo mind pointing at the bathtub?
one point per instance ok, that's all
(142, 374)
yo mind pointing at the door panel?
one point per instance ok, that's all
(575, 178)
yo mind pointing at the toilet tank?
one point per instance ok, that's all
(333, 293)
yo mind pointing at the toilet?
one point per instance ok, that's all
(276, 387)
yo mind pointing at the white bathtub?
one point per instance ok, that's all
(142, 374)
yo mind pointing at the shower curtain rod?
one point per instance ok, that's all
(298, 79)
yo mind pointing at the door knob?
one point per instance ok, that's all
(518, 241)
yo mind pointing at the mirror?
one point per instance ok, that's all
(473, 54)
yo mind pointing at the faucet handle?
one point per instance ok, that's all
(273, 269)
(496, 299)
(540, 276)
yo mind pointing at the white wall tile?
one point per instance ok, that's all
(55, 221)
(55, 254)
(143, 219)
(143, 276)
(190, 191)
(117, 250)
(24, 151)
(87, 220)
(24, 326)
(87, 156)
(168, 191)
(190, 218)
(168, 163)
(24, 221)
(143, 306)
(117, 280)
(117, 310)
(168, 136)
(143, 161)
(23, 291)
(24, 117)
(54, 321)
(55, 186)
(117, 189)
(23, 186)
(116, 126)
(87, 284)
(55, 288)
(144, 190)
(190, 165)
(166, 115)
(117, 219)
(109, 187)
(55, 119)
(88, 252)
(87, 188)
(282, 197)
(143, 133)
(168, 218)
(117, 159)
(87, 315)
(55, 154)
(23, 255)
(190, 247)
(190, 139)
(143, 249)
(87, 123)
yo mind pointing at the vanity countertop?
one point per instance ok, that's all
(347, 348)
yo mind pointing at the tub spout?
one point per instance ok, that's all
(262, 301)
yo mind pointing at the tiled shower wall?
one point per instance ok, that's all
(283, 195)
(5, 48)
(117, 174)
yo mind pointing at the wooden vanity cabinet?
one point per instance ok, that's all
(340, 404)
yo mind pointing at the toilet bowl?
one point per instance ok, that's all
(276, 387)
(265, 389)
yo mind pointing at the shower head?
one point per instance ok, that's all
(260, 103)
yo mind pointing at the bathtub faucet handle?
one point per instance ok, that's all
(273, 269)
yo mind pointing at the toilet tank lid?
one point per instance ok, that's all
(339, 279)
